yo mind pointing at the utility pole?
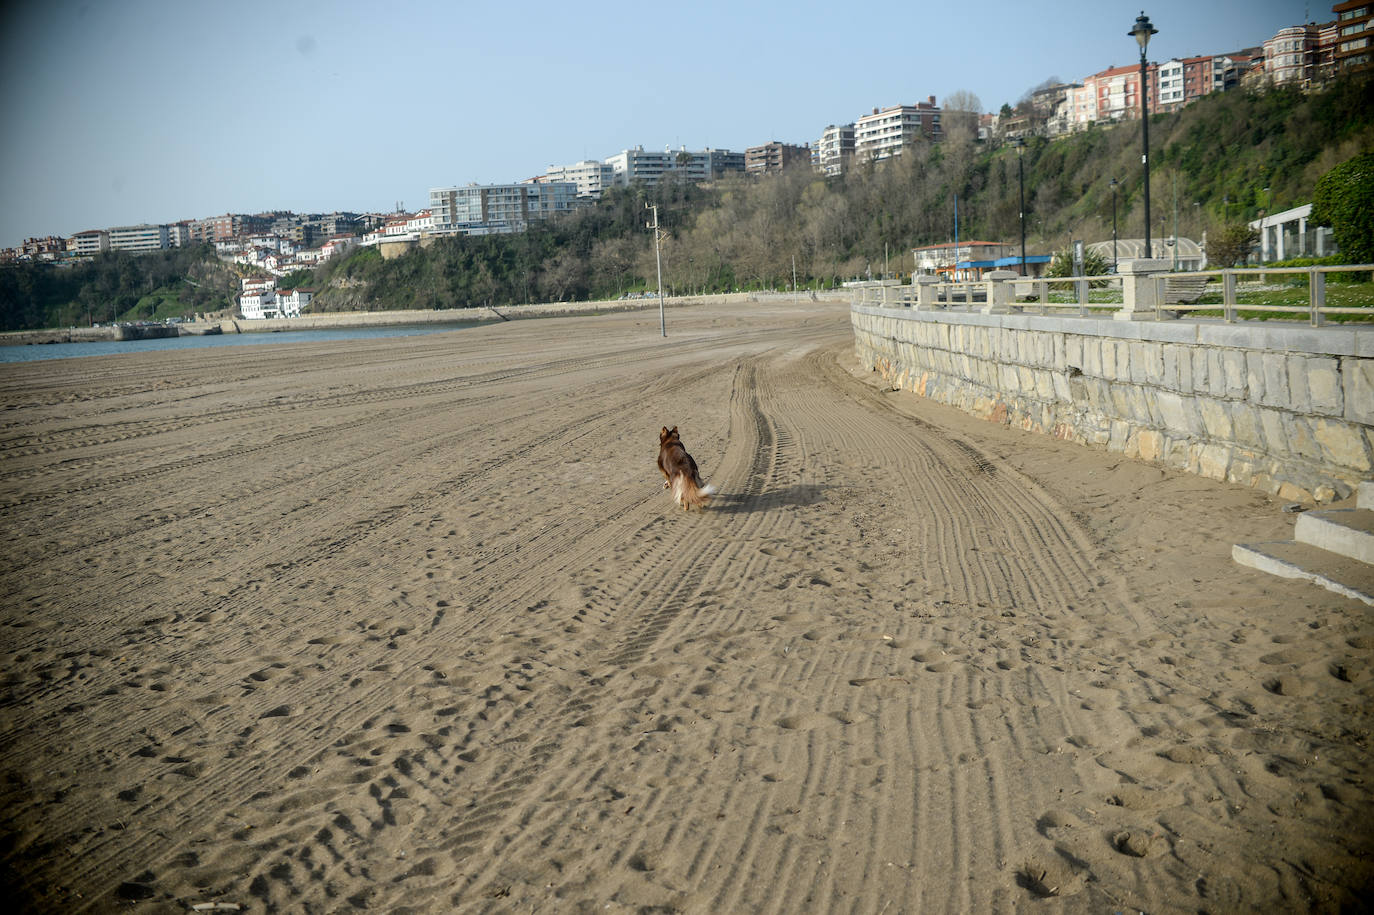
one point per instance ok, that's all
(658, 258)
(1175, 221)
(794, 279)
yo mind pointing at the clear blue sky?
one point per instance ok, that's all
(117, 113)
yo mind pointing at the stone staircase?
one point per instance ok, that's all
(1333, 548)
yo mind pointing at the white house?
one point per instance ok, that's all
(268, 241)
(420, 224)
(290, 303)
(339, 244)
(258, 305)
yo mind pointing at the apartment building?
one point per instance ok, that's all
(1115, 92)
(834, 150)
(1172, 86)
(1354, 35)
(491, 209)
(708, 164)
(230, 226)
(886, 131)
(92, 241)
(641, 166)
(1308, 55)
(774, 157)
(1290, 56)
(590, 175)
(139, 238)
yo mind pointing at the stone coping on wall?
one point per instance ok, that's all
(1327, 340)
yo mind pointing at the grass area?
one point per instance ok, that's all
(1257, 301)
(158, 306)
(1255, 298)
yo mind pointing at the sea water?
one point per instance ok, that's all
(39, 351)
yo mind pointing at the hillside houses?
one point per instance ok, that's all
(261, 299)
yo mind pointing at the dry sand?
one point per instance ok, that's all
(410, 624)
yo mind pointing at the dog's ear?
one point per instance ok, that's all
(672, 430)
(664, 433)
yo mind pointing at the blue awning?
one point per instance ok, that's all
(1014, 261)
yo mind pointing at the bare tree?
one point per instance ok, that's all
(961, 110)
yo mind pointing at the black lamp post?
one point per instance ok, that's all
(1114, 184)
(1142, 32)
(1020, 145)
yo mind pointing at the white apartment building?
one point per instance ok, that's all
(639, 166)
(884, 133)
(834, 150)
(488, 209)
(1171, 89)
(138, 238)
(92, 242)
(590, 176)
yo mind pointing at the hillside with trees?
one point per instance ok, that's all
(1219, 162)
(1215, 164)
(115, 286)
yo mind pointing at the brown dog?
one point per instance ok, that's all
(680, 471)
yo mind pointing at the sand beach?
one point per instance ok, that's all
(410, 625)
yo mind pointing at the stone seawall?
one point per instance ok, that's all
(1285, 409)
(89, 334)
(346, 319)
(352, 319)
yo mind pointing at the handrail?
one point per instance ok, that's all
(1033, 293)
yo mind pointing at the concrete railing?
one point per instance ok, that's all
(1278, 406)
(1142, 290)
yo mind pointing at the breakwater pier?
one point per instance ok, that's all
(346, 320)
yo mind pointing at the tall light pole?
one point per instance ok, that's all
(1114, 183)
(1142, 32)
(658, 258)
(1020, 145)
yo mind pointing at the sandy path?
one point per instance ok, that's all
(411, 623)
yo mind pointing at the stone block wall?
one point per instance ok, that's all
(1286, 409)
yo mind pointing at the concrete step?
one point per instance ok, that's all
(1288, 559)
(1345, 531)
(1364, 496)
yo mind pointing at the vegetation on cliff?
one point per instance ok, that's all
(115, 286)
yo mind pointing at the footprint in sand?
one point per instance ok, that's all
(1138, 843)
(1050, 876)
(1289, 685)
(808, 721)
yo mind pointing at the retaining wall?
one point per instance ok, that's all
(1285, 409)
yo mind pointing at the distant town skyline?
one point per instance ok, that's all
(150, 111)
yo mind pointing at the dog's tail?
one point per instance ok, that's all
(688, 494)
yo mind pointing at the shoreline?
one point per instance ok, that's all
(481, 314)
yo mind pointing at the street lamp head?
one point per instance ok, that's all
(1018, 144)
(1142, 31)
(1113, 183)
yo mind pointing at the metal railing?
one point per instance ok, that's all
(1232, 281)
(1242, 293)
